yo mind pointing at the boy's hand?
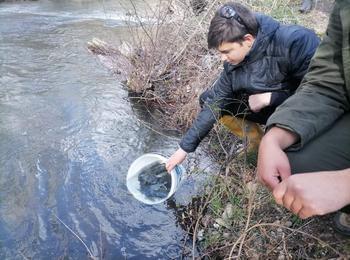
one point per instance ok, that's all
(315, 193)
(259, 101)
(178, 157)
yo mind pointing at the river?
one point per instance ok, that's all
(68, 134)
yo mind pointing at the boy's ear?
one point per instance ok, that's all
(248, 37)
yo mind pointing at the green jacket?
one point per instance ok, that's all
(324, 94)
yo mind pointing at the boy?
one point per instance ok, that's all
(315, 123)
(264, 62)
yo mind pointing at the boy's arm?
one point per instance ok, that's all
(302, 45)
(176, 158)
(220, 94)
(322, 97)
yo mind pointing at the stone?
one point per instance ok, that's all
(228, 212)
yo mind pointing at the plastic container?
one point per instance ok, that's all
(133, 185)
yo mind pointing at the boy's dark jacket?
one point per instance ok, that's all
(277, 62)
(324, 94)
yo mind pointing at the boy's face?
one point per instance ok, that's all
(235, 52)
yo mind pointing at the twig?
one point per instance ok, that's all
(199, 218)
(245, 232)
(193, 34)
(220, 142)
(152, 129)
(290, 229)
(91, 255)
(250, 207)
(141, 24)
(289, 235)
(101, 246)
(24, 256)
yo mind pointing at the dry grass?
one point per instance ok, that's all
(253, 227)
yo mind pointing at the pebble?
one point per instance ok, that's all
(228, 212)
(200, 235)
(227, 235)
(216, 225)
(288, 223)
(220, 221)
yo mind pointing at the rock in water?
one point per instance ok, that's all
(155, 181)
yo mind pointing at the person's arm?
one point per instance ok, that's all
(259, 101)
(301, 45)
(313, 194)
(176, 158)
(322, 98)
(273, 164)
(220, 95)
(221, 92)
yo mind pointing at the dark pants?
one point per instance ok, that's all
(238, 107)
(329, 151)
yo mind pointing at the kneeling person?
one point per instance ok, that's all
(264, 62)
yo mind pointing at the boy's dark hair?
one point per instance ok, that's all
(226, 27)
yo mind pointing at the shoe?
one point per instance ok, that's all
(342, 223)
(244, 129)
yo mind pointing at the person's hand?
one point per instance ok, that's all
(273, 164)
(178, 157)
(315, 193)
(259, 101)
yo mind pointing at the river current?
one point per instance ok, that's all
(68, 133)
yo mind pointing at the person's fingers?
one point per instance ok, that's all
(169, 166)
(288, 200)
(284, 171)
(269, 181)
(296, 207)
(279, 191)
(304, 213)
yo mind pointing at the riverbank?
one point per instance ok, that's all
(235, 217)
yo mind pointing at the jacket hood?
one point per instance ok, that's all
(267, 29)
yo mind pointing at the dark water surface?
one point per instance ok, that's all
(68, 134)
(154, 181)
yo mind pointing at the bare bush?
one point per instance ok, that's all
(172, 62)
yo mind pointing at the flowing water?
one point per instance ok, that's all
(68, 134)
